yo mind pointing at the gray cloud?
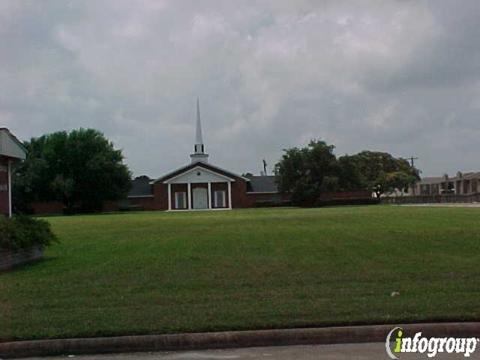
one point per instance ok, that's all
(398, 76)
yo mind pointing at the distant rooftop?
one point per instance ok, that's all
(458, 176)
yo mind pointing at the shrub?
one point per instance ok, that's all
(22, 232)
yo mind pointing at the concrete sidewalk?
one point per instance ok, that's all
(372, 351)
(289, 339)
(453, 205)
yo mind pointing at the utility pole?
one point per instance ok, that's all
(412, 160)
(412, 163)
(264, 167)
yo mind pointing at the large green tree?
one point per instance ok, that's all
(81, 168)
(382, 172)
(307, 172)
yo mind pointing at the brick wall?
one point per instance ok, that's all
(10, 259)
(142, 203)
(47, 207)
(240, 199)
(269, 199)
(160, 192)
(159, 201)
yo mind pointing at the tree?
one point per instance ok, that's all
(398, 180)
(350, 178)
(380, 170)
(80, 169)
(307, 172)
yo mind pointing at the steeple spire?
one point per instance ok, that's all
(199, 154)
(198, 134)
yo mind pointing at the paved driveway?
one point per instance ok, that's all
(311, 352)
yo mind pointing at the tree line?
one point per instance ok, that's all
(308, 172)
(82, 170)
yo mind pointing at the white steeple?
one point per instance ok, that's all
(198, 133)
(199, 154)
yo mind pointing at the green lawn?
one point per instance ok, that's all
(155, 272)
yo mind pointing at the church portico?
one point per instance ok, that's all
(197, 194)
(200, 196)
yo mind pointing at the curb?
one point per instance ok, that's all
(229, 339)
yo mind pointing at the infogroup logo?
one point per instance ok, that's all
(396, 344)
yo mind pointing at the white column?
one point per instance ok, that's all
(189, 191)
(9, 174)
(209, 195)
(229, 195)
(169, 196)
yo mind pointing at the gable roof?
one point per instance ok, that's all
(206, 166)
(10, 146)
(263, 184)
(141, 187)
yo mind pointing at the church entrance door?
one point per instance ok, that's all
(200, 198)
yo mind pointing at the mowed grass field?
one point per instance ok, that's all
(154, 272)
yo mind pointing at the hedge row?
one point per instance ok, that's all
(23, 232)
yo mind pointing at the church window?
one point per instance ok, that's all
(180, 200)
(220, 199)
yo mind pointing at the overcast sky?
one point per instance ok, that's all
(395, 76)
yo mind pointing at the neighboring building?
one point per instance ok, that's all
(461, 184)
(11, 151)
(462, 188)
(201, 185)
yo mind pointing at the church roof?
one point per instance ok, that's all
(262, 184)
(200, 164)
(141, 187)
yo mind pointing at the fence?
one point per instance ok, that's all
(432, 199)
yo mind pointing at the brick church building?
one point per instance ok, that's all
(201, 185)
(11, 151)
